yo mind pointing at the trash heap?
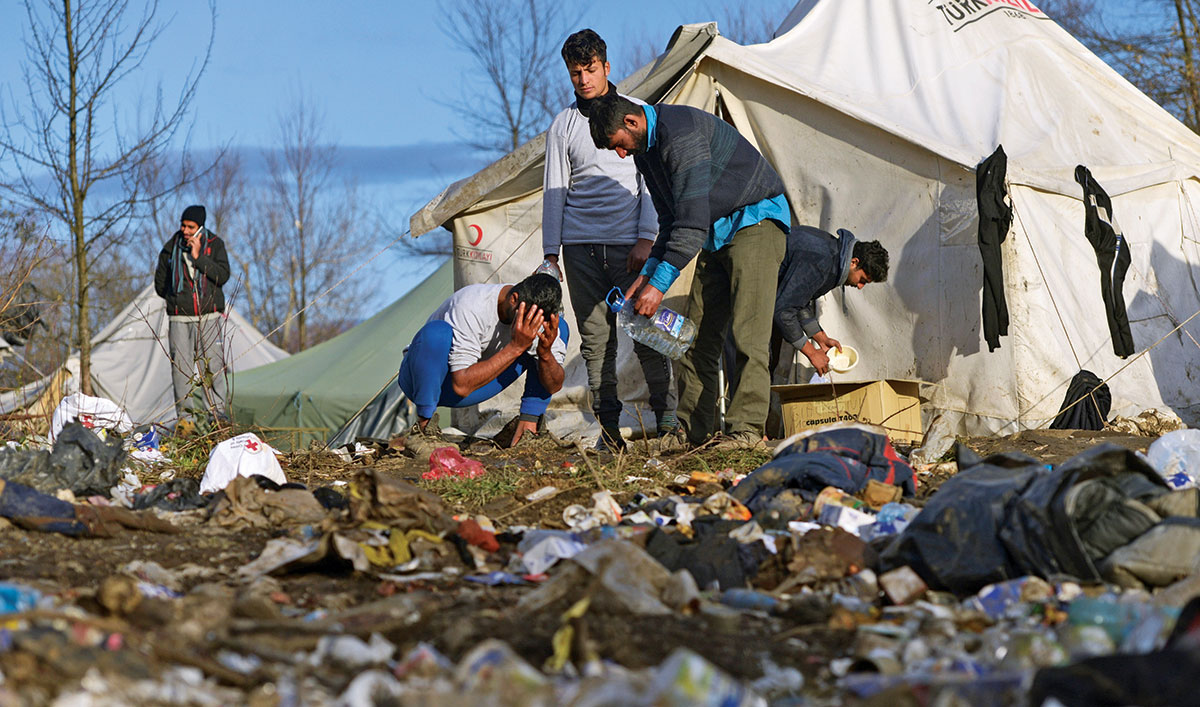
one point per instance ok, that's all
(828, 575)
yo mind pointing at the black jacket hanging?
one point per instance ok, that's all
(995, 217)
(1089, 413)
(1112, 254)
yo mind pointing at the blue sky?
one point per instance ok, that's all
(380, 71)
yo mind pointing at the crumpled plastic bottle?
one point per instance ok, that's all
(1176, 457)
(448, 463)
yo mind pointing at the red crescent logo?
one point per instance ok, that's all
(478, 234)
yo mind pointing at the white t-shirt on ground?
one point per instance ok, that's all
(478, 331)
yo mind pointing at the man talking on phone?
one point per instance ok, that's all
(192, 268)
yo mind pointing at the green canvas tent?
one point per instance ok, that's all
(313, 394)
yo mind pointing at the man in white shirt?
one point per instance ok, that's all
(479, 342)
(596, 208)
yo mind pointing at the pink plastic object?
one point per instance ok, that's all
(447, 463)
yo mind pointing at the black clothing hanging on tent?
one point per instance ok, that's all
(995, 217)
(1088, 414)
(1112, 254)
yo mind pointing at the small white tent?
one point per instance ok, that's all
(876, 113)
(131, 366)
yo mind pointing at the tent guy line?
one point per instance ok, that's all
(1127, 364)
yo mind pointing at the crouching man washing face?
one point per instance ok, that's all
(479, 342)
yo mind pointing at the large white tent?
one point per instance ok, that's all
(131, 367)
(876, 113)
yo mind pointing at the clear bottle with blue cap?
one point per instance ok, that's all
(667, 332)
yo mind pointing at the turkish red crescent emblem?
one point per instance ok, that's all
(478, 234)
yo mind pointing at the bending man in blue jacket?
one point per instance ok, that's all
(720, 201)
(815, 263)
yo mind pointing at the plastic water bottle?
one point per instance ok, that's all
(667, 332)
(549, 268)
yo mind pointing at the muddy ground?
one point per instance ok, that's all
(218, 612)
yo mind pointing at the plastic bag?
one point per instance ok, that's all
(80, 461)
(1176, 457)
(244, 455)
(447, 463)
(91, 412)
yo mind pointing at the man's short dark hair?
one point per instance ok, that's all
(872, 259)
(583, 46)
(540, 290)
(607, 115)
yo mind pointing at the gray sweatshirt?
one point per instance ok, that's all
(591, 195)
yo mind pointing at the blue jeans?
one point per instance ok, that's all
(425, 374)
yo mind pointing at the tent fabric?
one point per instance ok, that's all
(876, 113)
(131, 366)
(315, 392)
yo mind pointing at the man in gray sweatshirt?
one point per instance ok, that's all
(595, 206)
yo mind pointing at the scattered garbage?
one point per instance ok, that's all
(542, 493)
(541, 549)
(823, 561)
(604, 511)
(247, 503)
(1147, 423)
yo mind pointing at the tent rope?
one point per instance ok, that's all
(1122, 368)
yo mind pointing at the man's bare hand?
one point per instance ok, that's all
(648, 301)
(547, 336)
(523, 426)
(638, 255)
(525, 326)
(826, 342)
(193, 242)
(818, 359)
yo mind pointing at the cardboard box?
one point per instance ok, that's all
(893, 404)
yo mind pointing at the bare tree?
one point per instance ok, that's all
(513, 48)
(750, 23)
(31, 275)
(744, 23)
(1155, 44)
(307, 237)
(68, 166)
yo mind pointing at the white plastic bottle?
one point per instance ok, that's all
(667, 332)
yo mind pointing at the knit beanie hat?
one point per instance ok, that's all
(194, 213)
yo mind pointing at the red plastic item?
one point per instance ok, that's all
(470, 531)
(447, 463)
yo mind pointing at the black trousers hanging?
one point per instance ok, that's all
(995, 217)
(1112, 254)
